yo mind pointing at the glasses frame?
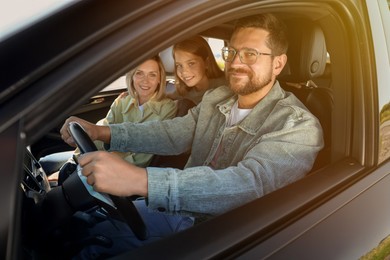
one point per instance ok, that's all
(227, 49)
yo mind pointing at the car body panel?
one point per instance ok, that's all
(337, 212)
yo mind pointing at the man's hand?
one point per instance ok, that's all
(95, 132)
(111, 174)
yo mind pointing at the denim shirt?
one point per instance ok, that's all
(275, 145)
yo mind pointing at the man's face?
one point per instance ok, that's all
(246, 79)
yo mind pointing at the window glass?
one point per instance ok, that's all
(166, 55)
(216, 46)
(381, 44)
(118, 84)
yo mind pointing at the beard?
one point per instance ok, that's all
(253, 85)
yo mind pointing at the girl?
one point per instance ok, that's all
(196, 71)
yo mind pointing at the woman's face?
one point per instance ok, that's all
(146, 80)
(190, 68)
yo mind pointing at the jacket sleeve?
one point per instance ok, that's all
(167, 137)
(275, 161)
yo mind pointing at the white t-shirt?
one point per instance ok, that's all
(237, 114)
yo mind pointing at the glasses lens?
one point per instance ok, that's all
(228, 54)
(248, 56)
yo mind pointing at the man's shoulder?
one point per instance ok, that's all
(217, 82)
(220, 90)
(285, 97)
(293, 101)
(217, 95)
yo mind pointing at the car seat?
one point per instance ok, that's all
(307, 62)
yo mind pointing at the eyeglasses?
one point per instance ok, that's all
(246, 55)
(141, 75)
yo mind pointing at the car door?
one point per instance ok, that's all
(329, 214)
(93, 110)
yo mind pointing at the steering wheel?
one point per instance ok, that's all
(124, 205)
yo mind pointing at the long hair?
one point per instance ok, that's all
(160, 88)
(198, 46)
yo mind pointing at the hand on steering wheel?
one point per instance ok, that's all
(124, 205)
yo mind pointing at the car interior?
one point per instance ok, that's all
(307, 75)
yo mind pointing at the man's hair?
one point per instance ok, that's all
(277, 38)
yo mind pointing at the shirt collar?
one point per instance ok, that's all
(252, 123)
(133, 102)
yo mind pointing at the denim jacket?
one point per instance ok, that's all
(126, 109)
(275, 145)
(195, 95)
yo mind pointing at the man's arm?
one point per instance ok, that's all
(108, 173)
(95, 132)
(168, 137)
(271, 162)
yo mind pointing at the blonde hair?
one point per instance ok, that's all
(161, 86)
(198, 46)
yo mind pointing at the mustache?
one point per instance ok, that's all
(239, 70)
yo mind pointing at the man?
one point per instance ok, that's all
(246, 140)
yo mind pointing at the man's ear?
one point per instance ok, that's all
(278, 63)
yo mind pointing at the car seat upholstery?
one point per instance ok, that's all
(307, 61)
(167, 59)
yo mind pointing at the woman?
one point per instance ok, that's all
(196, 71)
(144, 101)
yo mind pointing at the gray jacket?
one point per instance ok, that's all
(275, 145)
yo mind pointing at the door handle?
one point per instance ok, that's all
(97, 101)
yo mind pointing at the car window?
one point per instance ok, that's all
(118, 84)
(215, 45)
(383, 60)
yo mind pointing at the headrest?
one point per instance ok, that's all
(306, 56)
(167, 59)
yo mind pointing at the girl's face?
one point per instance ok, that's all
(190, 68)
(146, 80)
